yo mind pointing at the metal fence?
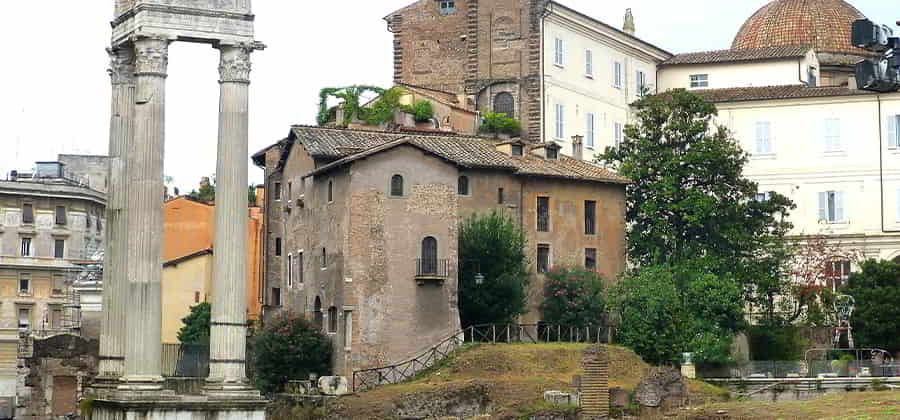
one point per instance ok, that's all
(800, 369)
(185, 360)
(489, 334)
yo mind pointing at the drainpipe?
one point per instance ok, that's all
(881, 168)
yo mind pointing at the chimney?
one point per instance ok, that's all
(577, 147)
(851, 82)
(629, 22)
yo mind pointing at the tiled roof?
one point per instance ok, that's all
(763, 93)
(731, 56)
(823, 24)
(466, 152)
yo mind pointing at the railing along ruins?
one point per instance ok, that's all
(365, 379)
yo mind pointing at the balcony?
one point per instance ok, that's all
(432, 270)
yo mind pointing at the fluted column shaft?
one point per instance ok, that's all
(228, 334)
(145, 219)
(112, 329)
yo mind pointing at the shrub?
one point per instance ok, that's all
(289, 348)
(573, 297)
(196, 325)
(422, 111)
(776, 342)
(492, 245)
(876, 289)
(496, 123)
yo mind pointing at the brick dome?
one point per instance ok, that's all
(822, 24)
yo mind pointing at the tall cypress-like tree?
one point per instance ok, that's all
(690, 200)
(492, 246)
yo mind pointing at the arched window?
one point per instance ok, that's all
(429, 256)
(505, 104)
(463, 185)
(332, 319)
(317, 313)
(396, 186)
(330, 191)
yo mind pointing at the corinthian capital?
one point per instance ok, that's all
(151, 56)
(121, 65)
(234, 65)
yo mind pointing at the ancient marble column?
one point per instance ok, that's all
(228, 334)
(112, 349)
(144, 217)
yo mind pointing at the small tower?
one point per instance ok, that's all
(629, 22)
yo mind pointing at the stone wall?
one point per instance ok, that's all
(484, 48)
(56, 376)
(95, 169)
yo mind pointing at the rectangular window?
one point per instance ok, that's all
(517, 150)
(837, 273)
(617, 75)
(59, 248)
(277, 247)
(276, 192)
(276, 296)
(543, 258)
(324, 259)
(61, 215)
(617, 133)
(699, 81)
(55, 317)
(833, 135)
(290, 271)
(560, 131)
(590, 217)
(24, 283)
(27, 214)
(59, 285)
(559, 52)
(500, 198)
(893, 132)
(26, 247)
(300, 267)
(196, 297)
(831, 206)
(762, 197)
(589, 63)
(448, 7)
(24, 318)
(763, 138)
(640, 82)
(290, 194)
(589, 132)
(590, 259)
(543, 214)
(348, 330)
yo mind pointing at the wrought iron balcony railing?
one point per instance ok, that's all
(432, 268)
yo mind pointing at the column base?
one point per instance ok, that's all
(148, 407)
(141, 384)
(226, 390)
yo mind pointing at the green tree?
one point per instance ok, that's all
(206, 192)
(651, 315)
(196, 325)
(876, 290)
(497, 122)
(289, 348)
(422, 111)
(689, 197)
(573, 297)
(251, 196)
(492, 245)
(667, 310)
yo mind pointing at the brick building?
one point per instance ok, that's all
(362, 229)
(560, 72)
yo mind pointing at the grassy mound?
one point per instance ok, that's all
(507, 380)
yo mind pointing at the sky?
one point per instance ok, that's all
(57, 94)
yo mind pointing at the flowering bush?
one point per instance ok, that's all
(573, 297)
(289, 348)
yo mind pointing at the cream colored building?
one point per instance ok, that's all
(592, 73)
(832, 149)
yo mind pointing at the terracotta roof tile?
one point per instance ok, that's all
(823, 24)
(774, 92)
(732, 56)
(345, 146)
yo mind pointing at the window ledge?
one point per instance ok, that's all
(894, 150)
(562, 66)
(763, 156)
(589, 76)
(835, 153)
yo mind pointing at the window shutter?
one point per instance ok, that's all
(839, 206)
(823, 206)
(892, 139)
